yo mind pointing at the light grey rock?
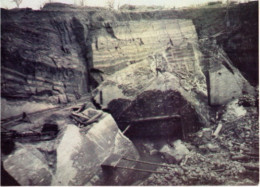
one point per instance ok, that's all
(176, 153)
(213, 147)
(28, 166)
(74, 157)
(80, 155)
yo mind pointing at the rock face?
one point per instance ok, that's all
(77, 159)
(238, 35)
(225, 82)
(58, 56)
(46, 56)
(123, 43)
(171, 78)
(153, 71)
(42, 56)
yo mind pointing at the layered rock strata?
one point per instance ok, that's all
(119, 44)
(59, 53)
(44, 57)
(168, 82)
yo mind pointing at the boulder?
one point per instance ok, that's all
(74, 157)
(233, 111)
(80, 155)
(213, 147)
(138, 92)
(28, 166)
(174, 154)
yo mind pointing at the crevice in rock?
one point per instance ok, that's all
(110, 30)
(84, 40)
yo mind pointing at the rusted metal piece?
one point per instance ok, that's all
(154, 118)
(48, 132)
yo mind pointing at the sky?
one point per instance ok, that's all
(36, 4)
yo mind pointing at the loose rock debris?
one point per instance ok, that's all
(231, 158)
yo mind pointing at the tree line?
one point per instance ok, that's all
(109, 3)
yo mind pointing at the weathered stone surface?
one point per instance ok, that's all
(74, 157)
(129, 42)
(223, 86)
(35, 62)
(225, 82)
(28, 166)
(239, 40)
(79, 156)
(46, 53)
(44, 56)
(166, 83)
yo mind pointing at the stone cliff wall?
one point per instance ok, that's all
(58, 54)
(129, 42)
(44, 56)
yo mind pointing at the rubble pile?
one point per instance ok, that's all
(230, 158)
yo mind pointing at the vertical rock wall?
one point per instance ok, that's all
(123, 43)
(42, 57)
(45, 58)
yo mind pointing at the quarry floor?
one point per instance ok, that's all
(231, 158)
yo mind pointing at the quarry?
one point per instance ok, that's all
(92, 96)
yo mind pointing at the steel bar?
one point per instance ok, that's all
(154, 118)
(142, 170)
(151, 163)
(126, 129)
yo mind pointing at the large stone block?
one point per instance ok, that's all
(223, 86)
(74, 157)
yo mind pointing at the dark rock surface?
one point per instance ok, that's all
(42, 57)
(47, 55)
